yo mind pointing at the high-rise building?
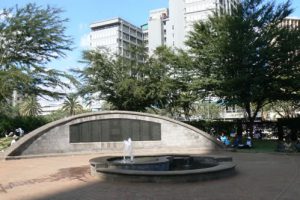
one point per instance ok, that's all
(291, 22)
(184, 13)
(116, 35)
(170, 26)
(157, 29)
(166, 26)
(145, 29)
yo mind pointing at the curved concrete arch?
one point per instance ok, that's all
(54, 138)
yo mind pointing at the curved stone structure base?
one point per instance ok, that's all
(206, 168)
(106, 131)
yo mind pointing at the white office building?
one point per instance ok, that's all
(171, 26)
(116, 35)
(165, 26)
(145, 35)
(157, 28)
(184, 13)
(291, 22)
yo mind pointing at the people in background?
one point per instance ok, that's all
(257, 134)
(248, 143)
(225, 139)
(19, 132)
(237, 140)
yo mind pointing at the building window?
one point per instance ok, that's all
(125, 28)
(221, 10)
(125, 44)
(139, 34)
(125, 36)
(132, 31)
(132, 39)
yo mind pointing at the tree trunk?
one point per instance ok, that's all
(252, 117)
(250, 120)
(293, 135)
(280, 132)
(250, 126)
(239, 131)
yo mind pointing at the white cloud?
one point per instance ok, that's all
(85, 41)
(4, 14)
(83, 27)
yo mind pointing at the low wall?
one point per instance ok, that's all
(105, 131)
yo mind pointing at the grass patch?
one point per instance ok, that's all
(261, 146)
(5, 142)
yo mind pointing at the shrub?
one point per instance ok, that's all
(218, 126)
(27, 123)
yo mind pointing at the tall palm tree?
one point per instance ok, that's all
(30, 106)
(71, 105)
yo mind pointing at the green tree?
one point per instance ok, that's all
(162, 82)
(71, 105)
(178, 81)
(10, 79)
(208, 110)
(56, 115)
(30, 107)
(248, 58)
(285, 109)
(127, 84)
(30, 37)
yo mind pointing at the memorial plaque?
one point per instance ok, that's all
(126, 129)
(85, 132)
(145, 131)
(115, 130)
(135, 127)
(155, 131)
(96, 131)
(105, 130)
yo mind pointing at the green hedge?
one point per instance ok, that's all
(5, 125)
(218, 126)
(292, 123)
(27, 123)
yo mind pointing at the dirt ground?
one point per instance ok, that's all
(259, 176)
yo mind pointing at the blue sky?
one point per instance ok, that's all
(83, 12)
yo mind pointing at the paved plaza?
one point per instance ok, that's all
(259, 176)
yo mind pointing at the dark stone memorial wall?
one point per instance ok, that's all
(115, 130)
